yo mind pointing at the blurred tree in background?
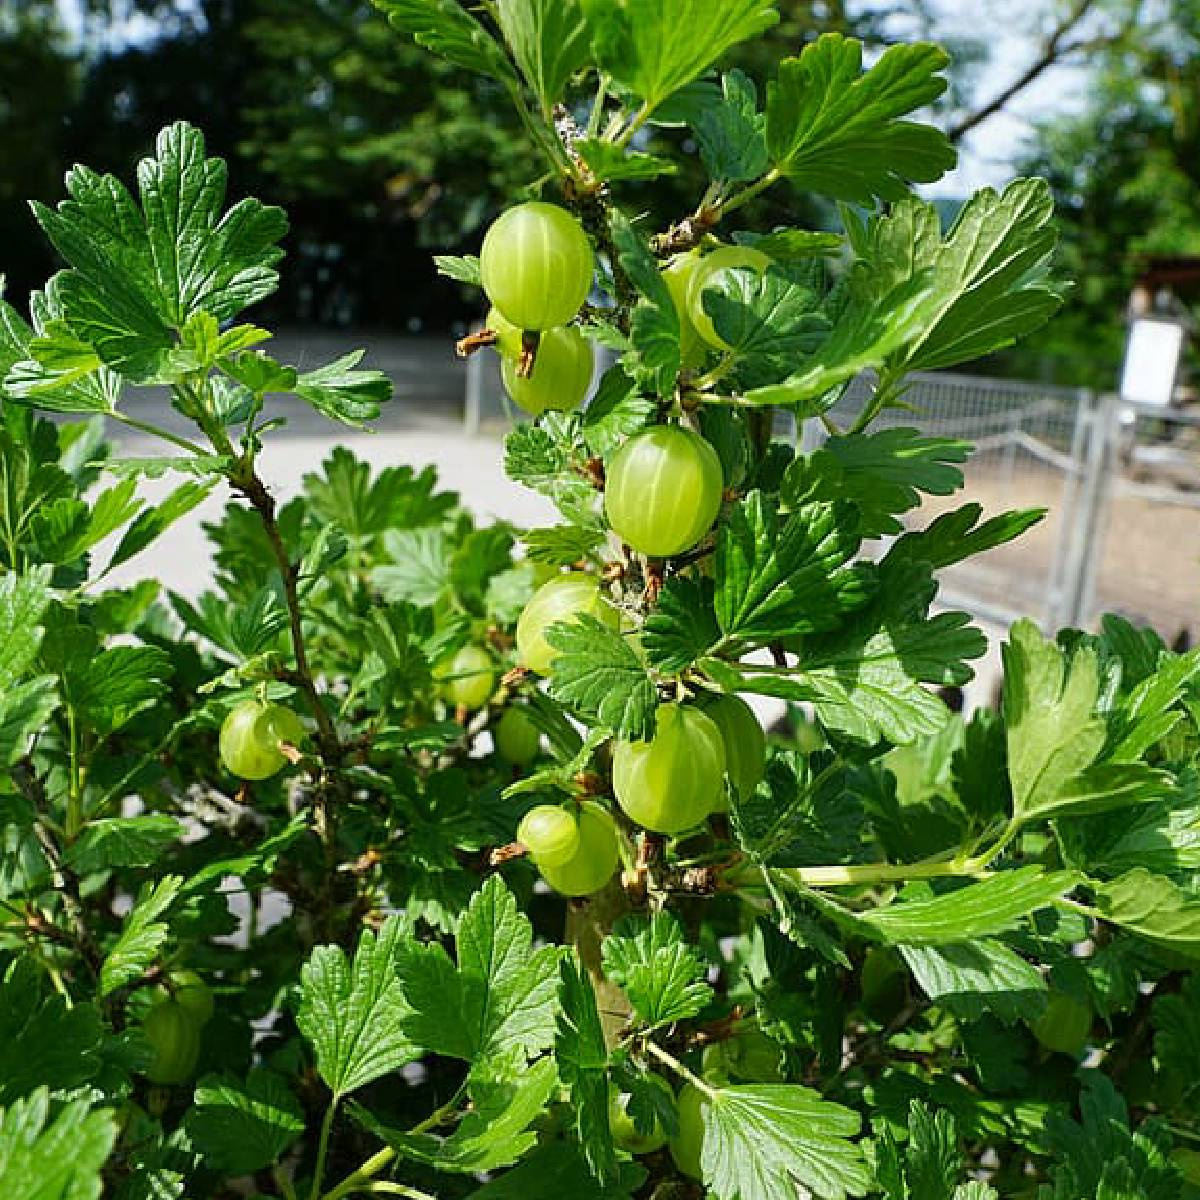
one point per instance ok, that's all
(1126, 175)
(380, 151)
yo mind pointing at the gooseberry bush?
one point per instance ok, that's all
(425, 858)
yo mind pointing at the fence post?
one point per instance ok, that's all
(1083, 543)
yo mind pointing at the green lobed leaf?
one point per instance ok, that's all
(957, 535)
(354, 1012)
(762, 1141)
(989, 276)
(499, 995)
(988, 906)
(343, 393)
(122, 842)
(23, 600)
(582, 1056)
(154, 521)
(1054, 733)
(611, 163)
(243, 1126)
(1154, 908)
(598, 675)
(978, 977)
(654, 326)
(445, 28)
(137, 274)
(683, 626)
(549, 40)
(495, 1132)
(834, 129)
(49, 1042)
(143, 934)
(53, 1159)
(655, 967)
(881, 473)
(731, 134)
(655, 47)
(785, 578)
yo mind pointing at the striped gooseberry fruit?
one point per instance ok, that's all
(673, 781)
(174, 1037)
(536, 265)
(518, 739)
(677, 275)
(663, 490)
(563, 598)
(561, 376)
(550, 833)
(595, 858)
(744, 740)
(688, 1143)
(468, 678)
(251, 735)
(724, 258)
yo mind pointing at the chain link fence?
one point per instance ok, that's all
(1120, 486)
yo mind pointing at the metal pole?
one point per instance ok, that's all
(1083, 549)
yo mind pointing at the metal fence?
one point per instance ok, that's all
(1121, 486)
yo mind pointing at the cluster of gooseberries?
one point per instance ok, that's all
(172, 1027)
(663, 491)
(750, 1056)
(536, 266)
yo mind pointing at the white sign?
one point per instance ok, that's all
(1152, 356)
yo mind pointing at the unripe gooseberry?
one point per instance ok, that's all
(663, 490)
(174, 1037)
(724, 258)
(251, 735)
(518, 739)
(595, 858)
(673, 781)
(562, 599)
(744, 740)
(468, 678)
(688, 1143)
(561, 375)
(536, 265)
(677, 275)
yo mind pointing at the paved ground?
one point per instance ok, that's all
(423, 425)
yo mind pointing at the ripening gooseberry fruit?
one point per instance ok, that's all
(677, 275)
(673, 781)
(624, 1132)
(550, 833)
(724, 258)
(663, 490)
(468, 679)
(192, 994)
(688, 1142)
(251, 735)
(754, 1057)
(508, 335)
(1064, 1025)
(562, 373)
(595, 859)
(518, 739)
(174, 1037)
(536, 265)
(744, 740)
(563, 598)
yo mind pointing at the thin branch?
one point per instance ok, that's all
(1054, 49)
